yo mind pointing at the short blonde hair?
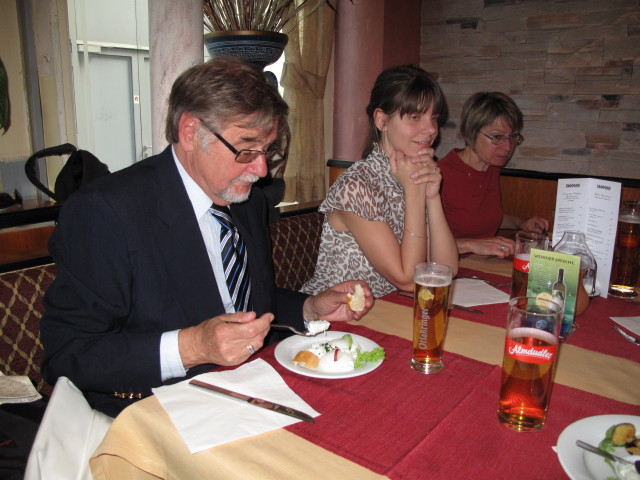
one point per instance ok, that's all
(482, 109)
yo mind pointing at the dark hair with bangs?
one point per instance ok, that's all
(401, 90)
(482, 109)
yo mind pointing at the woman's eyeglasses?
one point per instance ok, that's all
(514, 139)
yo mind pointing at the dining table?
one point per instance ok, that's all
(395, 423)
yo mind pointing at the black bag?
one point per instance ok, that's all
(82, 167)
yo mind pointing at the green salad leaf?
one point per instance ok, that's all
(371, 356)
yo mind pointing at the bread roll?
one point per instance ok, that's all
(306, 359)
(356, 300)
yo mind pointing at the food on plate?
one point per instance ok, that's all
(317, 326)
(336, 356)
(623, 433)
(306, 359)
(356, 300)
(621, 440)
(627, 471)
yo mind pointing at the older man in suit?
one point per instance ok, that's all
(145, 293)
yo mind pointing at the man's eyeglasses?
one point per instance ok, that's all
(247, 155)
(514, 139)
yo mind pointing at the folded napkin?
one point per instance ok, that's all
(469, 292)
(17, 389)
(630, 323)
(205, 419)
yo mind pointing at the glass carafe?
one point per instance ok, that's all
(575, 243)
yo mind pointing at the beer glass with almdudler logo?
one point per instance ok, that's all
(525, 241)
(430, 314)
(530, 350)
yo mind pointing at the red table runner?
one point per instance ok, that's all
(407, 425)
(594, 332)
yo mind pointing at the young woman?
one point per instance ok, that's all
(490, 125)
(384, 215)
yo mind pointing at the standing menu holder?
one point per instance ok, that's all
(590, 205)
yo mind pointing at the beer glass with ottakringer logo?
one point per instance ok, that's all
(525, 241)
(430, 313)
(530, 350)
(626, 255)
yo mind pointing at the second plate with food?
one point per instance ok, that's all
(288, 348)
(577, 462)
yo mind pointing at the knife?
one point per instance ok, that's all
(631, 338)
(258, 402)
(466, 309)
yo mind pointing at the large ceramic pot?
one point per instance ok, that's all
(255, 46)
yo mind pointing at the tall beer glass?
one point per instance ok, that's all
(525, 241)
(530, 349)
(430, 314)
(626, 255)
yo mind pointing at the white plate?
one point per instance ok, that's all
(289, 347)
(577, 462)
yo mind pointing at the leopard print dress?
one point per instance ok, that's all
(369, 190)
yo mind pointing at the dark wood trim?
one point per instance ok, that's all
(29, 213)
(31, 262)
(339, 163)
(514, 172)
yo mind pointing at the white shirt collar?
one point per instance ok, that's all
(199, 200)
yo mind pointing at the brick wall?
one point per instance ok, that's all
(573, 67)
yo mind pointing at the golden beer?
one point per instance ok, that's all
(430, 314)
(530, 352)
(626, 257)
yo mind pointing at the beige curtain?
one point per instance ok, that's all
(307, 57)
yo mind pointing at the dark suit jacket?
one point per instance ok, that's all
(132, 264)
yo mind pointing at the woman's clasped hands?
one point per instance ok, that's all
(420, 172)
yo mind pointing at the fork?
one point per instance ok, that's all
(305, 333)
(488, 282)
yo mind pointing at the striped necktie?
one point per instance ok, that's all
(234, 259)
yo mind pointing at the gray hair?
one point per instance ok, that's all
(226, 90)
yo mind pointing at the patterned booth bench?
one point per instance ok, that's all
(21, 294)
(295, 239)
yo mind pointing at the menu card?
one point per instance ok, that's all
(590, 205)
(555, 276)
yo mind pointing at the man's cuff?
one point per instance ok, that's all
(170, 361)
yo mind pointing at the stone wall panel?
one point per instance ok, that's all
(573, 67)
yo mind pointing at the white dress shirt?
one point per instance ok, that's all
(170, 361)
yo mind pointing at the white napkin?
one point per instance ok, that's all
(469, 292)
(205, 419)
(17, 389)
(630, 323)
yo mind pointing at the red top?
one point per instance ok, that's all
(471, 199)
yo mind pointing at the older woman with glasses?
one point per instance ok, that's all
(490, 125)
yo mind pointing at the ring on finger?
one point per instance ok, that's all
(434, 169)
(502, 247)
(251, 349)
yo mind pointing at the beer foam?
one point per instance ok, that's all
(629, 219)
(433, 280)
(533, 333)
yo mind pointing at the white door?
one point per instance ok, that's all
(111, 79)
